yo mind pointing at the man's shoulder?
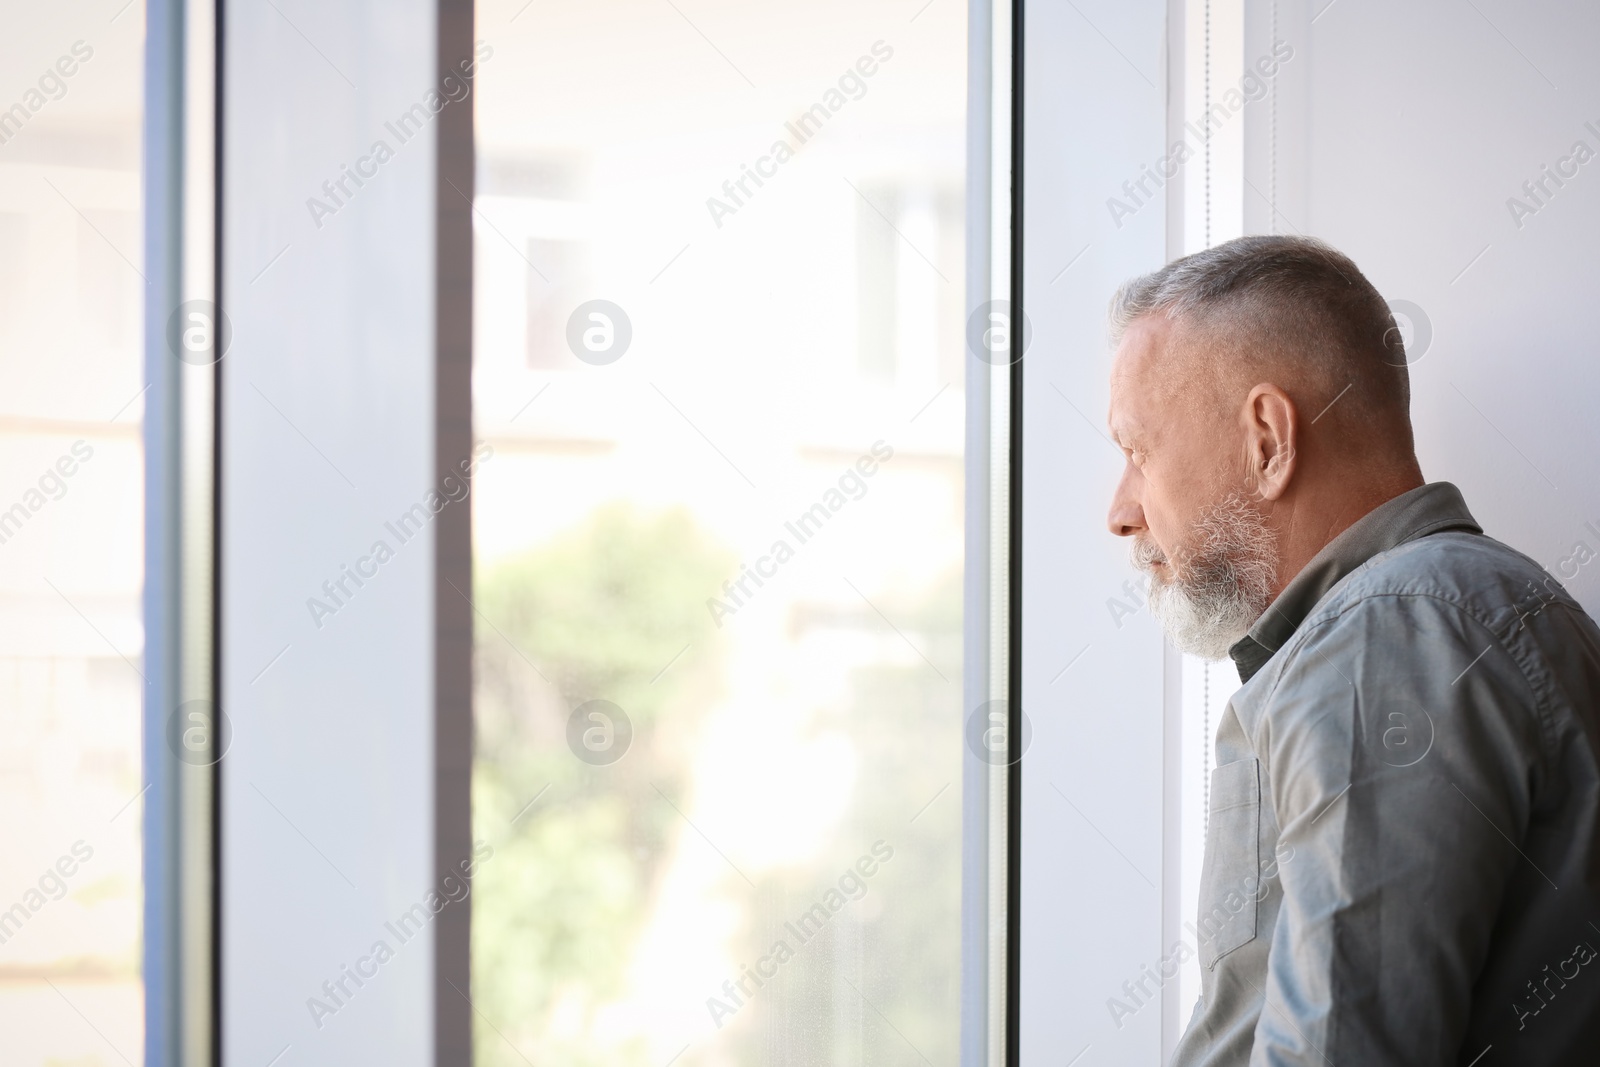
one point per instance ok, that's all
(1458, 571)
(1410, 622)
(1435, 601)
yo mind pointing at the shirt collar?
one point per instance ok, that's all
(1424, 510)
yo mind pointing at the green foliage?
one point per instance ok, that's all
(559, 908)
(596, 614)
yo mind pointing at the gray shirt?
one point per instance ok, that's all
(1402, 858)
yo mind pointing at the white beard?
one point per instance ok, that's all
(1224, 581)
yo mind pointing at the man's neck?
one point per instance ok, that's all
(1311, 516)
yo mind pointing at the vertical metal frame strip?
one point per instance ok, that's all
(452, 614)
(988, 933)
(180, 715)
(1012, 448)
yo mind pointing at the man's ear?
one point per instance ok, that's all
(1272, 430)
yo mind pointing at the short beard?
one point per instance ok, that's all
(1224, 583)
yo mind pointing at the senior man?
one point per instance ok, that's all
(1414, 757)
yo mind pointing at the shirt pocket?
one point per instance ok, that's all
(1231, 873)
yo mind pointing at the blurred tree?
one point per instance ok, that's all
(559, 909)
(597, 614)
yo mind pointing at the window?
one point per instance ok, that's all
(719, 541)
(71, 552)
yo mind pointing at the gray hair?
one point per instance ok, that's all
(1291, 301)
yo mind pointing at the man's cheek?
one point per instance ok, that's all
(1163, 533)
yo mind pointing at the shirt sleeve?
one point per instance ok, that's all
(1403, 744)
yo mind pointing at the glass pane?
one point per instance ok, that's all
(719, 331)
(71, 546)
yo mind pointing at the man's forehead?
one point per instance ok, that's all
(1123, 418)
(1134, 366)
(1159, 361)
(1141, 348)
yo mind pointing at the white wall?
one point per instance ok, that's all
(327, 416)
(1401, 137)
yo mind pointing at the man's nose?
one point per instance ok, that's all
(1125, 520)
(1126, 517)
